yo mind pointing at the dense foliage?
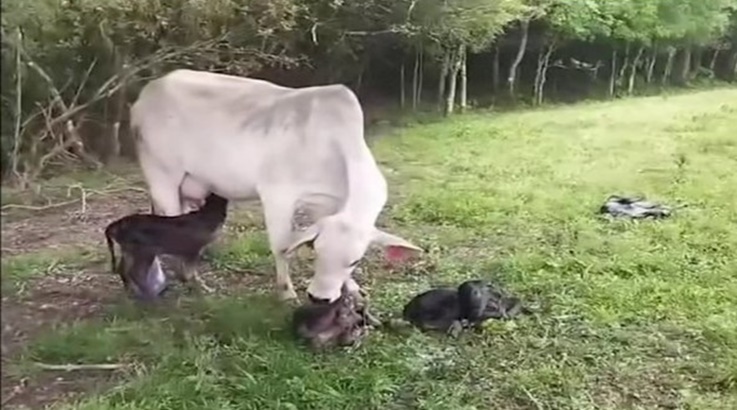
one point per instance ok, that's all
(70, 67)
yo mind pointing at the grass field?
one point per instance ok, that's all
(630, 315)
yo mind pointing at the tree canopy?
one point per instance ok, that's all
(85, 59)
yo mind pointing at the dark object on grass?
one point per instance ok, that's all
(143, 238)
(451, 310)
(324, 325)
(435, 309)
(633, 207)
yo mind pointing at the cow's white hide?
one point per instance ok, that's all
(242, 138)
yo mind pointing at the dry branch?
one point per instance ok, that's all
(84, 196)
(72, 367)
(38, 207)
(18, 108)
(59, 117)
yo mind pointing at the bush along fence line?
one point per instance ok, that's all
(71, 68)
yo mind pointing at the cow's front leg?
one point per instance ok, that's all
(284, 285)
(278, 219)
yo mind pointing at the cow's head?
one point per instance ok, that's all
(339, 246)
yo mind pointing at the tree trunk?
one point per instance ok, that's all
(595, 72)
(113, 145)
(415, 80)
(420, 81)
(401, 86)
(512, 78)
(495, 70)
(613, 75)
(452, 81)
(734, 66)
(626, 62)
(685, 68)
(633, 71)
(668, 65)
(713, 62)
(651, 65)
(544, 73)
(543, 63)
(15, 156)
(359, 78)
(114, 149)
(538, 75)
(696, 63)
(464, 78)
(443, 80)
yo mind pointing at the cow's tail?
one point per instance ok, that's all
(109, 232)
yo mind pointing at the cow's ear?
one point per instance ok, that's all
(397, 249)
(303, 237)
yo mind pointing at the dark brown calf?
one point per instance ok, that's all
(324, 325)
(144, 237)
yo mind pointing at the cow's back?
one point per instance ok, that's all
(227, 130)
(204, 105)
(210, 99)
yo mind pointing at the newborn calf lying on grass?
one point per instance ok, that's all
(340, 323)
(451, 310)
(143, 238)
(633, 207)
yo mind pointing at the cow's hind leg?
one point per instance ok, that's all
(278, 212)
(192, 193)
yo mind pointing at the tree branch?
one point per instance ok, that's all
(71, 367)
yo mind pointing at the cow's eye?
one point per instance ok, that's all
(354, 263)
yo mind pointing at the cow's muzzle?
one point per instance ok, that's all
(317, 300)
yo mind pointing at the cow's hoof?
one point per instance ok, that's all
(288, 295)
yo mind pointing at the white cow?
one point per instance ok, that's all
(199, 132)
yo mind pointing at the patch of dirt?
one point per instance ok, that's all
(66, 298)
(60, 227)
(50, 301)
(52, 387)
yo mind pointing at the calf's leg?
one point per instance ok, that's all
(193, 276)
(188, 273)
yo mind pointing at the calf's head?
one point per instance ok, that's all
(339, 246)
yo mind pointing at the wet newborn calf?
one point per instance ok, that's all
(450, 310)
(636, 208)
(144, 237)
(435, 309)
(478, 301)
(324, 325)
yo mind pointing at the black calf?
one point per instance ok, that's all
(144, 237)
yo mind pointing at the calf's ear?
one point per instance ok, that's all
(303, 237)
(397, 249)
